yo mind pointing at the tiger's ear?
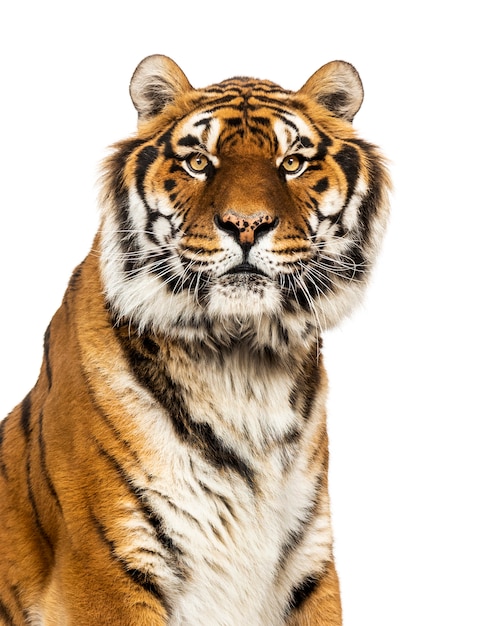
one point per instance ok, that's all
(337, 86)
(156, 82)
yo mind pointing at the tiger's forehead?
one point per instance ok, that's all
(241, 114)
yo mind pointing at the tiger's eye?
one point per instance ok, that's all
(292, 164)
(197, 162)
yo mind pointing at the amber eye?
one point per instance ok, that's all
(198, 163)
(292, 164)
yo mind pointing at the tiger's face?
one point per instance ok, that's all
(241, 209)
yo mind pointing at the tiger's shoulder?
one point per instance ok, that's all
(173, 455)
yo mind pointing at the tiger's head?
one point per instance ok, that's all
(241, 210)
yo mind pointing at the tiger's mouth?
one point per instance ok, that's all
(246, 268)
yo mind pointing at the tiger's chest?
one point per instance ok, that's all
(225, 486)
(230, 548)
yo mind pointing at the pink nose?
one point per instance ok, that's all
(246, 228)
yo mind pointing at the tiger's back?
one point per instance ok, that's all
(170, 465)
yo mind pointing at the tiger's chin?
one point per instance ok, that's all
(244, 296)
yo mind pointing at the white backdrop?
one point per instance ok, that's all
(416, 375)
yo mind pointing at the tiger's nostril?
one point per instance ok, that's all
(246, 229)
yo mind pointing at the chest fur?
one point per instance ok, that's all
(224, 471)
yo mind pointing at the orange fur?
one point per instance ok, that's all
(170, 465)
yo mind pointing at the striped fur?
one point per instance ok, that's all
(170, 465)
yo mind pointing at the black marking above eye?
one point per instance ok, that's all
(306, 142)
(189, 140)
(205, 121)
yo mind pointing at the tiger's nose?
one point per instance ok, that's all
(246, 229)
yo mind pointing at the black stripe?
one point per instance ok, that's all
(73, 283)
(322, 185)
(116, 165)
(119, 191)
(165, 142)
(295, 537)
(117, 435)
(313, 204)
(378, 185)
(323, 145)
(239, 101)
(149, 514)
(140, 578)
(265, 138)
(47, 343)
(202, 436)
(43, 463)
(110, 424)
(314, 166)
(260, 120)
(33, 504)
(3, 467)
(206, 121)
(173, 282)
(157, 523)
(170, 184)
(167, 500)
(16, 594)
(223, 101)
(26, 416)
(354, 265)
(2, 429)
(6, 615)
(348, 159)
(302, 294)
(151, 371)
(144, 159)
(305, 391)
(147, 582)
(216, 496)
(189, 141)
(301, 592)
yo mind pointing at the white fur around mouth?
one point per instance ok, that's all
(244, 294)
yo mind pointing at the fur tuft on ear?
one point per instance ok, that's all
(155, 83)
(337, 86)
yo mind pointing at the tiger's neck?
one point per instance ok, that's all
(239, 393)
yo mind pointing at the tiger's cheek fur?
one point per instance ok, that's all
(169, 468)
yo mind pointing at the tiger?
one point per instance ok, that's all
(170, 465)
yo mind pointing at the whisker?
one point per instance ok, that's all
(311, 305)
